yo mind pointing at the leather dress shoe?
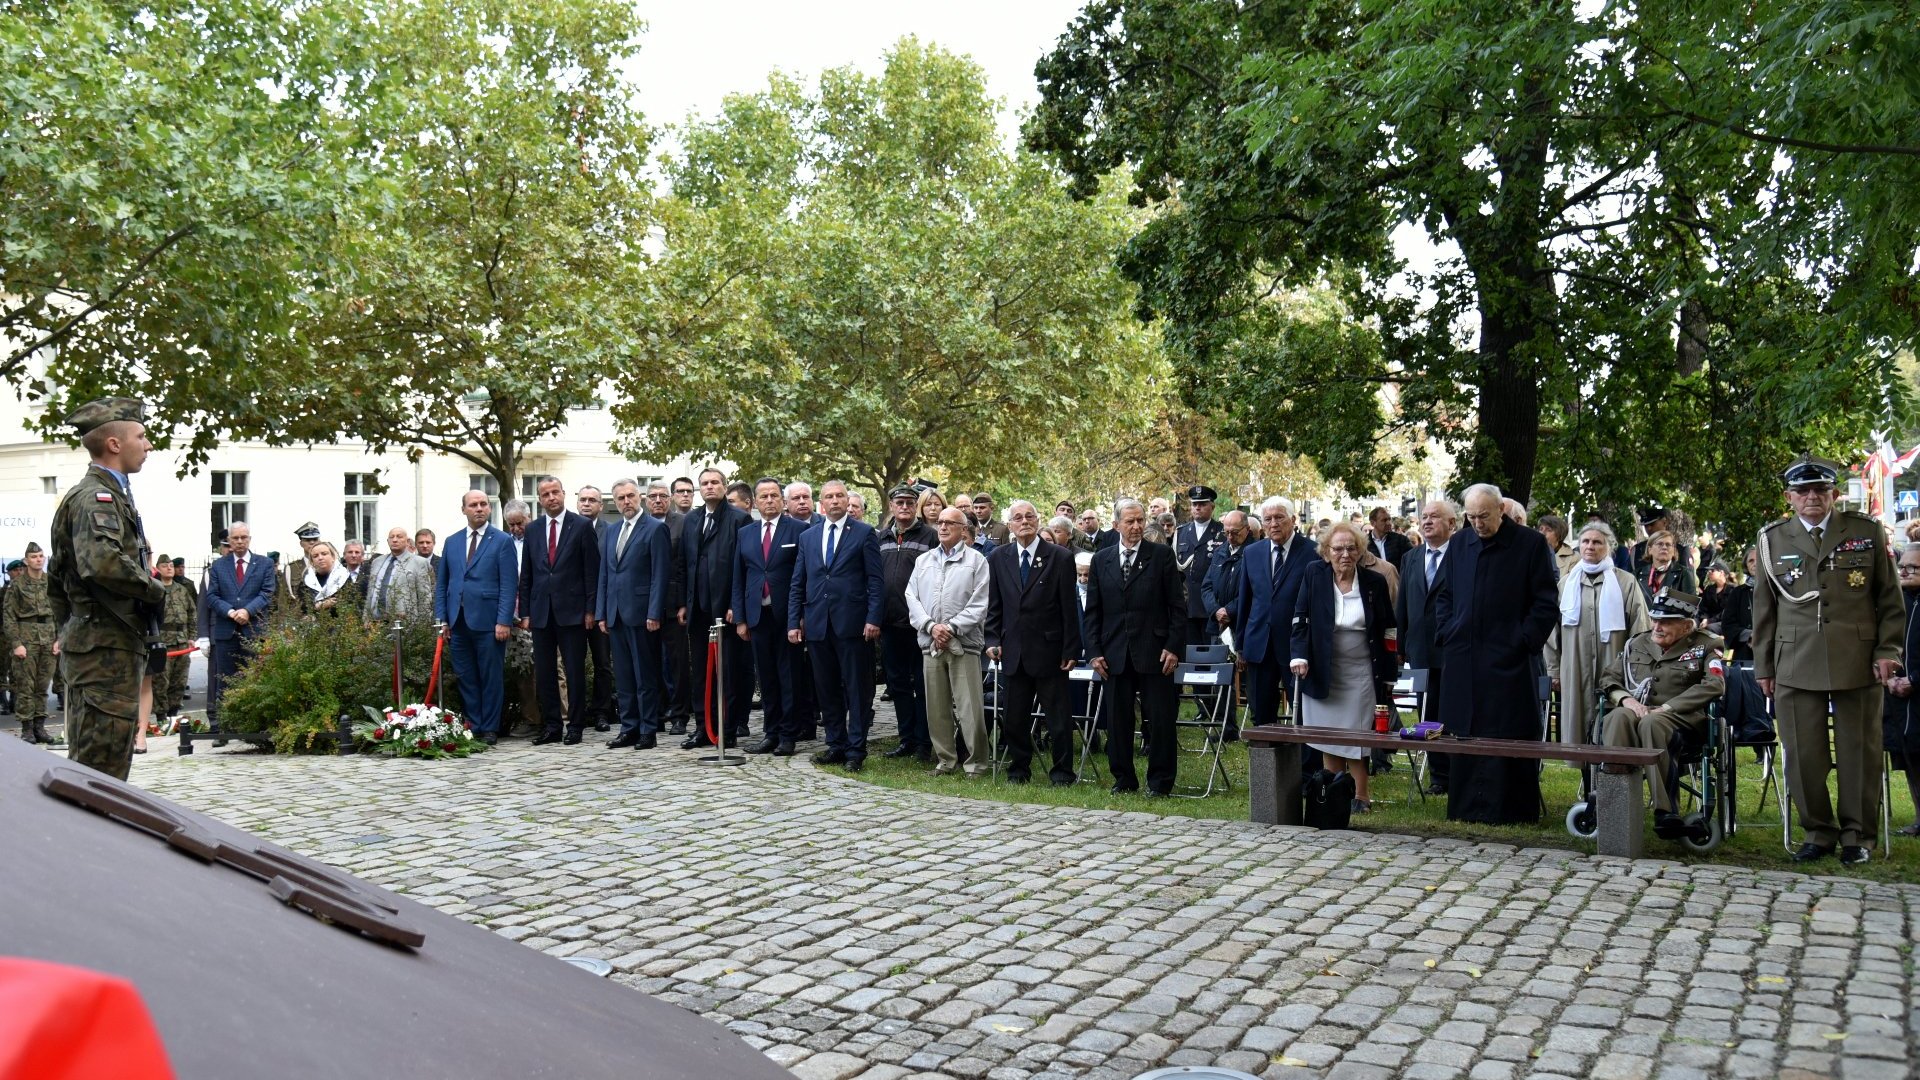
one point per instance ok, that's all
(924, 755)
(1061, 781)
(764, 746)
(1854, 855)
(602, 725)
(489, 738)
(1808, 852)
(546, 737)
(1668, 825)
(1119, 790)
(829, 757)
(785, 749)
(645, 742)
(623, 740)
(855, 764)
(573, 737)
(695, 742)
(903, 750)
(1018, 777)
(677, 727)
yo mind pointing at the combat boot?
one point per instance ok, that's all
(26, 731)
(40, 733)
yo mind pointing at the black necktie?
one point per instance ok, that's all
(1126, 568)
(1026, 564)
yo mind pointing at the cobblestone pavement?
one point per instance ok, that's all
(849, 930)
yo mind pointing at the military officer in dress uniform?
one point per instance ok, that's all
(1827, 627)
(1193, 547)
(1662, 681)
(291, 585)
(104, 600)
(28, 619)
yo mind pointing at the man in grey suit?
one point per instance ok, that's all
(399, 584)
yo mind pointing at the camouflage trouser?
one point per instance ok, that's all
(103, 706)
(6, 666)
(171, 688)
(32, 677)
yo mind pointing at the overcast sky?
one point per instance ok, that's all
(694, 54)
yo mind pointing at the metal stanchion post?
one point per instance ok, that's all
(716, 637)
(395, 632)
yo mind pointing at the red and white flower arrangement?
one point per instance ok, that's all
(422, 731)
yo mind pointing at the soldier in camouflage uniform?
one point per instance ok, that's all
(104, 600)
(27, 616)
(14, 570)
(177, 615)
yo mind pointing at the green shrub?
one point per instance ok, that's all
(305, 674)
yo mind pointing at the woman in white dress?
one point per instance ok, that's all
(1342, 649)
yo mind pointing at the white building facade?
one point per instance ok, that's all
(350, 493)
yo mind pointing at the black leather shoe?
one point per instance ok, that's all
(785, 749)
(855, 764)
(1118, 790)
(764, 746)
(645, 742)
(546, 737)
(829, 757)
(1667, 825)
(489, 738)
(1854, 855)
(903, 750)
(1061, 781)
(1436, 789)
(1808, 852)
(1018, 777)
(677, 727)
(602, 725)
(623, 740)
(573, 737)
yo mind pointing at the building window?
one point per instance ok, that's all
(362, 502)
(530, 488)
(229, 503)
(49, 486)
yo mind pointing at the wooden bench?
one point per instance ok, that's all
(1275, 783)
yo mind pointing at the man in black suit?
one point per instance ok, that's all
(708, 541)
(1420, 584)
(1386, 542)
(763, 563)
(423, 542)
(1220, 594)
(1033, 629)
(806, 704)
(559, 576)
(676, 674)
(1193, 545)
(589, 503)
(1136, 625)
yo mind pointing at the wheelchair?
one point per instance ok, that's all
(1700, 778)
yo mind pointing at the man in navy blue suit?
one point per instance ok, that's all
(558, 577)
(763, 562)
(707, 541)
(477, 586)
(1270, 573)
(636, 570)
(239, 588)
(835, 606)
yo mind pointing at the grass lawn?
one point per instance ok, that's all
(1755, 843)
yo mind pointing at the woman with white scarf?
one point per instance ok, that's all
(321, 590)
(1601, 606)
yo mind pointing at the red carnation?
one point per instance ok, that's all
(446, 746)
(379, 733)
(423, 743)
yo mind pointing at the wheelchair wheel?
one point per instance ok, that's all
(1701, 843)
(1582, 821)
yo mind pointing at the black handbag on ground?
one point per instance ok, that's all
(1329, 798)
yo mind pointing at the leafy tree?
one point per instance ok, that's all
(862, 282)
(495, 273)
(165, 178)
(1649, 265)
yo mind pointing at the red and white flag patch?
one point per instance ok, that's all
(102, 496)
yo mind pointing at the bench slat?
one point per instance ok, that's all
(1449, 744)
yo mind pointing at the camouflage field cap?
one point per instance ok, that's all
(105, 411)
(33, 547)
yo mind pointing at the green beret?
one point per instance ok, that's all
(106, 411)
(15, 565)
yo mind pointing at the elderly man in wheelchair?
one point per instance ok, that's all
(1661, 685)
